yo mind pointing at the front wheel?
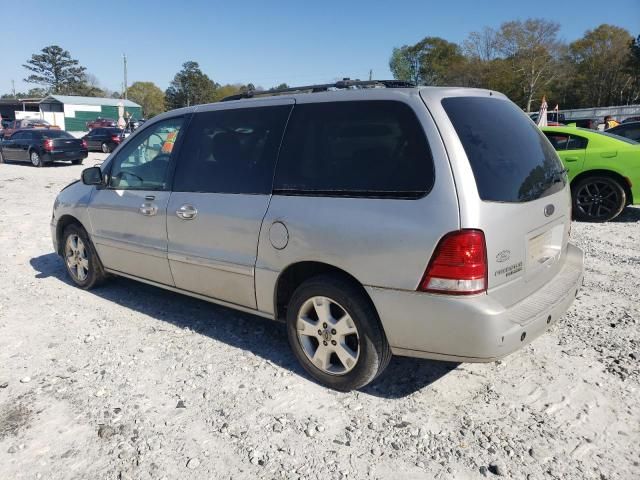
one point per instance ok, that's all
(80, 258)
(335, 333)
(598, 199)
(35, 158)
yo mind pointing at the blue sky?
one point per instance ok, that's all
(263, 42)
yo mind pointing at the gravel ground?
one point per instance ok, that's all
(130, 381)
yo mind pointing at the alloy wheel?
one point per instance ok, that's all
(75, 253)
(35, 159)
(597, 199)
(328, 335)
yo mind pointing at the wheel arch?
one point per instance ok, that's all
(296, 273)
(63, 222)
(624, 181)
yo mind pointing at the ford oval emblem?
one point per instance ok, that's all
(548, 210)
(503, 256)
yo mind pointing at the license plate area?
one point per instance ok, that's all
(544, 248)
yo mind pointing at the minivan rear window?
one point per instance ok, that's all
(511, 159)
(355, 149)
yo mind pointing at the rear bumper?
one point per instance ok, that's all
(477, 328)
(55, 156)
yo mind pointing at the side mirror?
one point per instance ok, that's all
(92, 176)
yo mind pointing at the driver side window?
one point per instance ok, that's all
(143, 163)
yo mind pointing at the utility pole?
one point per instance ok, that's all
(124, 57)
(370, 75)
(13, 88)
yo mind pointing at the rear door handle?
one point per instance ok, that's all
(571, 159)
(187, 212)
(148, 209)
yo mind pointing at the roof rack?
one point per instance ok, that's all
(341, 84)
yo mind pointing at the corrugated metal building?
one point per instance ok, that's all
(72, 113)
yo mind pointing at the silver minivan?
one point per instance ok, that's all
(372, 218)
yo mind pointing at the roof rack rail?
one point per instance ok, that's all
(340, 84)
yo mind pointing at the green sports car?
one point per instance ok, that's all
(604, 171)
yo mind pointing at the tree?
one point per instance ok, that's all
(226, 91)
(280, 86)
(55, 70)
(533, 49)
(190, 86)
(601, 58)
(482, 45)
(428, 62)
(149, 96)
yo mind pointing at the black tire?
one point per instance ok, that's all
(77, 161)
(597, 199)
(35, 159)
(95, 272)
(374, 351)
(105, 148)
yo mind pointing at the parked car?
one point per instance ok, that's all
(370, 224)
(631, 119)
(27, 123)
(553, 118)
(629, 130)
(101, 122)
(104, 139)
(604, 171)
(40, 147)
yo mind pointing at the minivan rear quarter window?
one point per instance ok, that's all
(511, 159)
(355, 149)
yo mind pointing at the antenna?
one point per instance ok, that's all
(124, 58)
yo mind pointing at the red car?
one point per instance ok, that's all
(26, 123)
(100, 123)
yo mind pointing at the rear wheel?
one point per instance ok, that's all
(105, 147)
(35, 158)
(80, 258)
(336, 334)
(598, 199)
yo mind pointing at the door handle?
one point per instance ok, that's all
(571, 159)
(148, 209)
(187, 212)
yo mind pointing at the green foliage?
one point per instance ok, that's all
(525, 60)
(601, 59)
(56, 71)
(190, 86)
(431, 61)
(149, 96)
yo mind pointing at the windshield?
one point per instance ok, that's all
(56, 134)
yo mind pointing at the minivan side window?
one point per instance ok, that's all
(355, 149)
(143, 162)
(231, 151)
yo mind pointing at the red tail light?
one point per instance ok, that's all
(84, 143)
(458, 265)
(115, 138)
(48, 145)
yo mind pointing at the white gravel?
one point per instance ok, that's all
(130, 381)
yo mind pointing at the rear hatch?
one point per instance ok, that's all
(511, 185)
